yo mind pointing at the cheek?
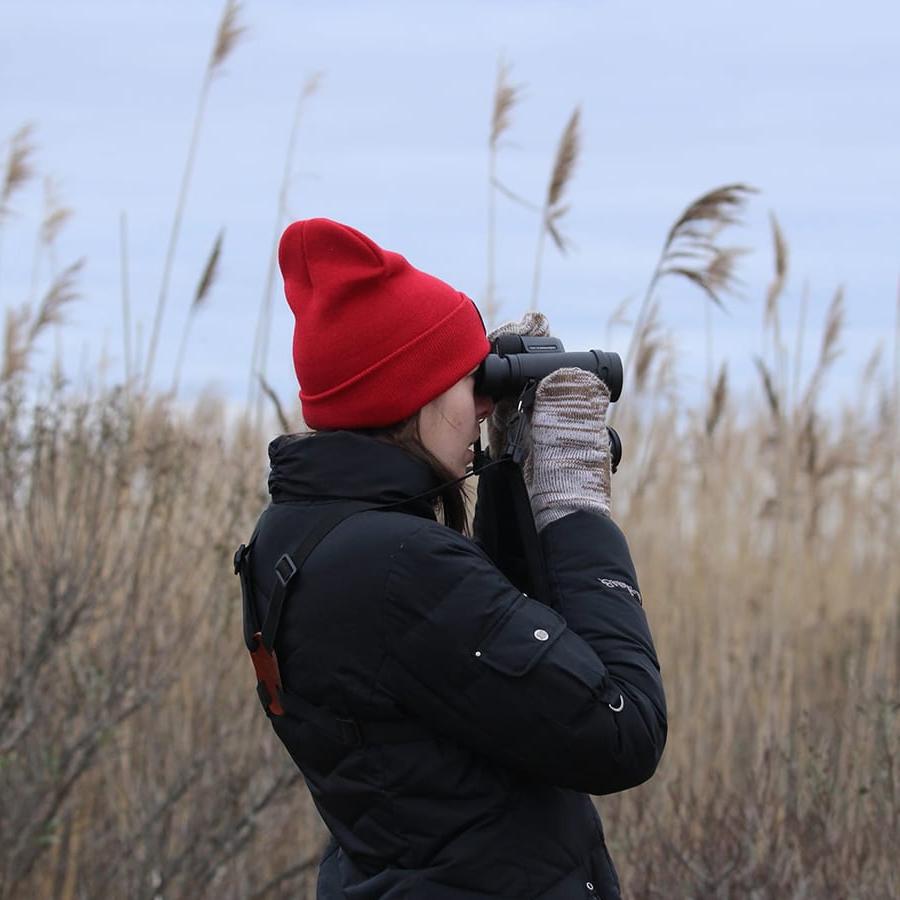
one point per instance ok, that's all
(464, 413)
(461, 418)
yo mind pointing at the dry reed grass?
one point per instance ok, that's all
(506, 97)
(201, 295)
(256, 384)
(228, 34)
(19, 165)
(24, 325)
(554, 208)
(134, 760)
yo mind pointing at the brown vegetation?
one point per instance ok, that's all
(135, 761)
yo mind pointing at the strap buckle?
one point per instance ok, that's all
(285, 569)
(518, 427)
(268, 678)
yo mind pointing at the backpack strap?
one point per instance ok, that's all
(288, 567)
(260, 641)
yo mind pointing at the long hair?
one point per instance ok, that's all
(450, 502)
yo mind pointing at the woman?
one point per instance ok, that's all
(449, 727)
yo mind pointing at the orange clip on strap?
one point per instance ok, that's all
(268, 678)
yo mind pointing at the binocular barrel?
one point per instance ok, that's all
(506, 376)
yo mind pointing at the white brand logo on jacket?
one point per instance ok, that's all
(608, 582)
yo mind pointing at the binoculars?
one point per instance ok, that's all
(518, 362)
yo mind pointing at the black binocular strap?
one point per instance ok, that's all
(529, 537)
(506, 530)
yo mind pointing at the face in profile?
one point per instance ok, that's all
(451, 423)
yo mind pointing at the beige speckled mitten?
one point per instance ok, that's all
(532, 324)
(568, 467)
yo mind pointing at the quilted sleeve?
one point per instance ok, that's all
(570, 696)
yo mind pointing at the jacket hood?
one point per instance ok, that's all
(342, 465)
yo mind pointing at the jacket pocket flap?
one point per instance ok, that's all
(522, 638)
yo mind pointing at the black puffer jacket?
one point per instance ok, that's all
(398, 618)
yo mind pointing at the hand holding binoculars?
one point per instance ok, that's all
(517, 363)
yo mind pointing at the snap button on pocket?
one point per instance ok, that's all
(541, 635)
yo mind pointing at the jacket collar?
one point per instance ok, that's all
(342, 465)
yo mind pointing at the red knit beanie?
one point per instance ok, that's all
(374, 339)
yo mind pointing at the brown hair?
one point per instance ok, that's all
(450, 501)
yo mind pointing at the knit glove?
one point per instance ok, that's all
(532, 324)
(568, 467)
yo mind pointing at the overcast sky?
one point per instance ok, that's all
(801, 99)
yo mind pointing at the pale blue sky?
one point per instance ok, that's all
(800, 99)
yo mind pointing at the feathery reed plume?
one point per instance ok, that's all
(506, 96)
(19, 169)
(650, 342)
(269, 391)
(717, 401)
(311, 85)
(563, 167)
(55, 217)
(61, 292)
(691, 251)
(228, 33)
(207, 279)
(56, 213)
(19, 164)
(21, 330)
(776, 287)
(553, 210)
(834, 324)
(873, 364)
(808, 444)
(260, 357)
(15, 343)
(209, 272)
(829, 350)
(769, 388)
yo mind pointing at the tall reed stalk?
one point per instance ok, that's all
(554, 209)
(201, 294)
(18, 171)
(506, 97)
(691, 251)
(227, 35)
(256, 382)
(126, 299)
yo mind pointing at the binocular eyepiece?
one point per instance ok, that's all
(518, 362)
